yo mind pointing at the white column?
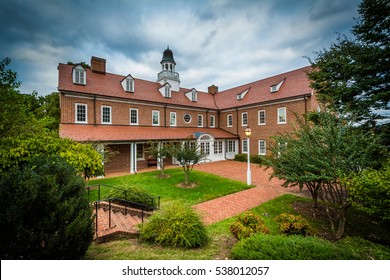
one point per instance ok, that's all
(248, 173)
(133, 158)
(159, 159)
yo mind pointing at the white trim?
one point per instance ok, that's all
(279, 115)
(158, 117)
(212, 123)
(227, 120)
(258, 117)
(243, 146)
(265, 147)
(101, 114)
(242, 118)
(200, 118)
(75, 112)
(136, 110)
(170, 119)
(81, 80)
(187, 114)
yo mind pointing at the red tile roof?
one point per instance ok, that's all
(114, 133)
(295, 84)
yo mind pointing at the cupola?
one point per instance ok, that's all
(168, 73)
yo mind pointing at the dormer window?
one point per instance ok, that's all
(192, 95)
(167, 91)
(242, 94)
(79, 75)
(275, 88)
(128, 84)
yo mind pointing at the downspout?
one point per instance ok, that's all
(305, 98)
(94, 109)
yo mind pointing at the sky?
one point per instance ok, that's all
(222, 42)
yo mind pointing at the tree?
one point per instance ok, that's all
(353, 76)
(187, 155)
(318, 154)
(159, 151)
(44, 213)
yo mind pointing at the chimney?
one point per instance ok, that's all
(98, 65)
(213, 89)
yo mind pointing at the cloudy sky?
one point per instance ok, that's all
(221, 42)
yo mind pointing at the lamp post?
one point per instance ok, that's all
(248, 133)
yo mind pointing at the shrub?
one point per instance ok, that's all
(291, 224)
(247, 224)
(133, 194)
(244, 158)
(176, 225)
(43, 211)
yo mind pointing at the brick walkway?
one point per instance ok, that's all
(230, 205)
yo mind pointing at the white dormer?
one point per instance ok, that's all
(192, 95)
(242, 94)
(165, 90)
(79, 75)
(275, 88)
(128, 83)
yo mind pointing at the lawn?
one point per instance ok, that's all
(222, 241)
(208, 186)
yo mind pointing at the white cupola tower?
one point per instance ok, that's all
(168, 74)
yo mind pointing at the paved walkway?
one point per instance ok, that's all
(230, 205)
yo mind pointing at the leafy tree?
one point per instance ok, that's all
(353, 76)
(16, 151)
(43, 211)
(159, 151)
(187, 155)
(318, 154)
(370, 191)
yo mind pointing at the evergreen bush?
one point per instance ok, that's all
(44, 213)
(292, 224)
(133, 194)
(247, 224)
(176, 225)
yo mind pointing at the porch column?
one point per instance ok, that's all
(133, 158)
(159, 159)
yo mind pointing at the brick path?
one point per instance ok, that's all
(230, 205)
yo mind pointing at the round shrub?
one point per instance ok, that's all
(176, 225)
(281, 247)
(247, 224)
(291, 224)
(44, 213)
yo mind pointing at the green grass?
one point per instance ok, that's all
(208, 186)
(222, 241)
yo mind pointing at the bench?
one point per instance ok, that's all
(151, 161)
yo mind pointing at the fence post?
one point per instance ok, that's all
(96, 224)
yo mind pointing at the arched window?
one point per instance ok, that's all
(79, 75)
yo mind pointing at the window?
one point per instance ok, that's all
(172, 119)
(261, 117)
(133, 116)
(229, 120)
(212, 121)
(187, 118)
(79, 75)
(200, 120)
(155, 118)
(231, 146)
(244, 119)
(129, 85)
(140, 151)
(106, 114)
(245, 146)
(193, 96)
(262, 147)
(218, 147)
(205, 148)
(282, 115)
(167, 91)
(81, 113)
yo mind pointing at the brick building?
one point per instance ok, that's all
(127, 113)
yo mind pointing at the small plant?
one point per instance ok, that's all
(176, 225)
(247, 224)
(291, 224)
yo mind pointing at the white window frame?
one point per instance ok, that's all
(139, 147)
(187, 122)
(212, 121)
(129, 85)
(244, 118)
(244, 146)
(167, 91)
(200, 120)
(229, 123)
(157, 113)
(218, 147)
(282, 111)
(79, 75)
(262, 147)
(76, 112)
(172, 119)
(259, 117)
(231, 146)
(102, 114)
(194, 96)
(137, 116)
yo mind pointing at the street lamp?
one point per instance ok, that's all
(248, 133)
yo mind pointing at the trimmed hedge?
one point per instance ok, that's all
(176, 225)
(296, 247)
(248, 224)
(292, 224)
